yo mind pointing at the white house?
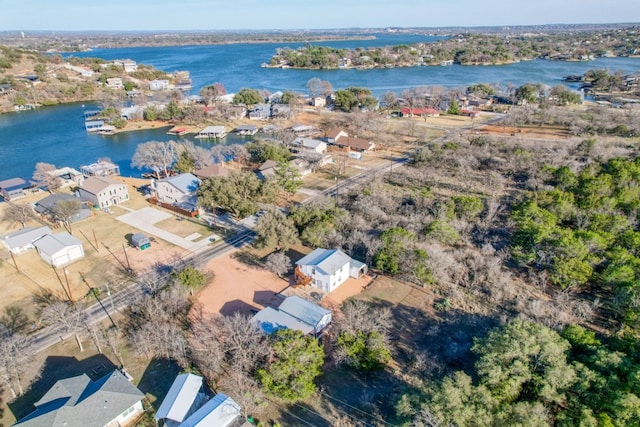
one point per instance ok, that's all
(311, 145)
(79, 402)
(182, 400)
(307, 312)
(220, 411)
(103, 191)
(59, 249)
(159, 85)
(329, 268)
(22, 240)
(114, 83)
(186, 405)
(178, 190)
(271, 320)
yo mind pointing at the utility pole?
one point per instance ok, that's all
(66, 278)
(126, 256)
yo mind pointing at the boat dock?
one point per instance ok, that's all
(246, 130)
(178, 131)
(212, 132)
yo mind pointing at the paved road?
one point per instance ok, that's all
(49, 336)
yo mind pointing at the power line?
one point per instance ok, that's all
(357, 409)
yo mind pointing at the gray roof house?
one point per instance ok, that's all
(307, 312)
(12, 189)
(79, 402)
(271, 320)
(59, 249)
(329, 268)
(46, 206)
(22, 240)
(179, 190)
(183, 399)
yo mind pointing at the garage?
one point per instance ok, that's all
(59, 249)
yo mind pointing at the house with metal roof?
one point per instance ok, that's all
(103, 191)
(271, 320)
(183, 399)
(22, 240)
(220, 411)
(329, 268)
(179, 190)
(12, 189)
(307, 312)
(310, 144)
(59, 249)
(79, 402)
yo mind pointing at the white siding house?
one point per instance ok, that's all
(328, 268)
(59, 249)
(103, 191)
(311, 145)
(22, 240)
(306, 311)
(179, 190)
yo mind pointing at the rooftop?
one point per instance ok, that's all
(328, 261)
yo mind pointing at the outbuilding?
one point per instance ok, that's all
(59, 249)
(307, 312)
(140, 241)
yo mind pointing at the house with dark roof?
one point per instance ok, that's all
(12, 189)
(179, 190)
(329, 268)
(22, 240)
(59, 249)
(79, 402)
(267, 169)
(47, 207)
(103, 191)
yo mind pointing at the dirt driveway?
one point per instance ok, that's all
(239, 287)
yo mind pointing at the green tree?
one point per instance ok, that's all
(262, 151)
(454, 107)
(185, 163)
(190, 278)
(247, 97)
(345, 100)
(237, 193)
(288, 177)
(295, 363)
(393, 250)
(525, 360)
(275, 230)
(366, 351)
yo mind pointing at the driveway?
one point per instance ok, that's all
(143, 219)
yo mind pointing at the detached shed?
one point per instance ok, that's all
(59, 249)
(140, 241)
(306, 312)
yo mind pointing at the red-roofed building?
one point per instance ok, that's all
(420, 112)
(355, 144)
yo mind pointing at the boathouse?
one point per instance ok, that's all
(212, 132)
(13, 188)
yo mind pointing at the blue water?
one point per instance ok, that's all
(56, 134)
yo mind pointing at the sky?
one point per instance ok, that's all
(158, 15)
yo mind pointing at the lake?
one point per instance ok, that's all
(56, 134)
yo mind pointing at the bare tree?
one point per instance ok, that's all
(44, 177)
(14, 358)
(65, 210)
(278, 263)
(14, 319)
(17, 212)
(66, 315)
(358, 315)
(245, 390)
(157, 156)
